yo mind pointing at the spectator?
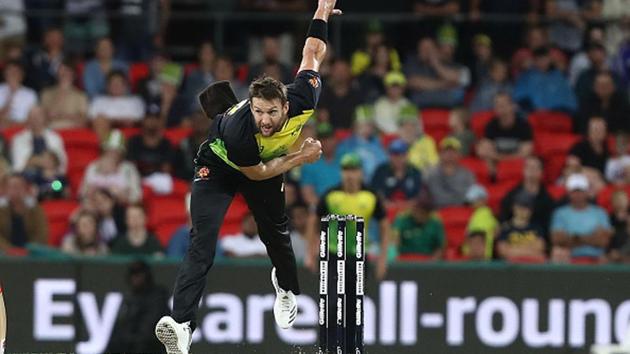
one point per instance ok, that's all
(388, 109)
(579, 227)
(43, 172)
(506, 136)
(84, 240)
(434, 80)
(137, 241)
(298, 224)
(113, 173)
(567, 26)
(544, 87)
(247, 243)
(371, 80)
(65, 105)
(16, 100)
(110, 216)
(581, 62)
(180, 240)
(396, 181)
(183, 166)
(22, 220)
(161, 88)
(117, 107)
(483, 58)
(352, 198)
(317, 178)
(496, 82)
(584, 86)
(476, 245)
(150, 151)
(224, 70)
(606, 101)
(592, 152)
(340, 96)
(620, 53)
(482, 218)
(422, 150)
(142, 306)
(44, 63)
(619, 247)
(28, 145)
(449, 180)
(98, 69)
(532, 185)
(620, 212)
(573, 165)
(536, 38)
(362, 59)
(271, 53)
(420, 232)
(365, 142)
(201, 76)
(458, 122)
(519, 237)
(618, 169)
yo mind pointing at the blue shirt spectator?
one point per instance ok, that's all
(397, 181)
(178, 245)
(496, 82)
(364, 142)
(97, 69)
(579, 226)
(543, 87)
(325, 173)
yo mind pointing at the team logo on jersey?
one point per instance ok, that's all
(314, 81)
(202, 174)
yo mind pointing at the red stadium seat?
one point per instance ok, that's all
(190, 67)
(479, 168)
(128, 132)
(79, 137)
(393, 211)
(166, 211)
(496, 193)
(478, 122)
(78, 71)
(242, 72)
(435, 122)
(387, 139)
(137, 72)
(604, 197)
(342, 134)
(554, 165)
(58, 216)
(510, 170)
(557, 192)
(527, 260)
(553, 144)
(9, 132)
(455, 220)
(176, 135)
(236, 212)
(585, 260)
(550, 122)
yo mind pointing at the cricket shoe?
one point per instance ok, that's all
(285, 306)
(176, 337)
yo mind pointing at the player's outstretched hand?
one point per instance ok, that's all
(311, 150)
(329, 7)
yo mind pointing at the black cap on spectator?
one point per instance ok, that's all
(153, 109)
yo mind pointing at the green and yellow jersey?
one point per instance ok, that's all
(234, 136)
(364, 203)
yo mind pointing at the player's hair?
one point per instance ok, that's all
(268, 88)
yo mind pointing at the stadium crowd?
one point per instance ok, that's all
(520, 155)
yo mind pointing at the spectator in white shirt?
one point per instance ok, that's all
(247, 244)
(16, 100)
(29, 145)
(118, 107)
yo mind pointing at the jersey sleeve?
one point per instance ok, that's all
(304, 92)
(243, 153)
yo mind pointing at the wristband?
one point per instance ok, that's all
(318, 29)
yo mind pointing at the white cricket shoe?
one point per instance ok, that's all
(176, 337)
(285, 306)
